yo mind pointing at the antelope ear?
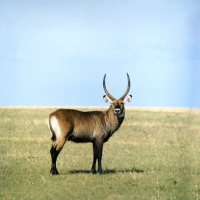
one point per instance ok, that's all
(107, 99)
(128, 99)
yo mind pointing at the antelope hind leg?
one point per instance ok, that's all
(54, 155)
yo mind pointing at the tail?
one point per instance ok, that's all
(53, 135)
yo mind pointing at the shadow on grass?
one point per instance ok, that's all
(108, 171)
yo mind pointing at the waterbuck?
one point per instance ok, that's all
(93, 126)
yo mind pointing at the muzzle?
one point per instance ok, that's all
(117, 111)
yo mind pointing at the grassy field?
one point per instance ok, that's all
(154, 155)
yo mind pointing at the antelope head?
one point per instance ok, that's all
(117, 104)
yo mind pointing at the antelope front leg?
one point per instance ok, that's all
(97, 154)
(99, 161)
(93, 170)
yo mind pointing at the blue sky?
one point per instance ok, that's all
(55, 53)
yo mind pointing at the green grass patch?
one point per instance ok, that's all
(154, 155)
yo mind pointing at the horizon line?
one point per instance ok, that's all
(169, 109)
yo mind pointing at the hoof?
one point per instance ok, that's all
(54, 171)
(93, 171)
(100, 171)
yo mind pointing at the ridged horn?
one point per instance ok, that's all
(106, 91)
(128, 88)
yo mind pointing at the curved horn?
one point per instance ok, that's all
(104, 87)
(128, 88)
